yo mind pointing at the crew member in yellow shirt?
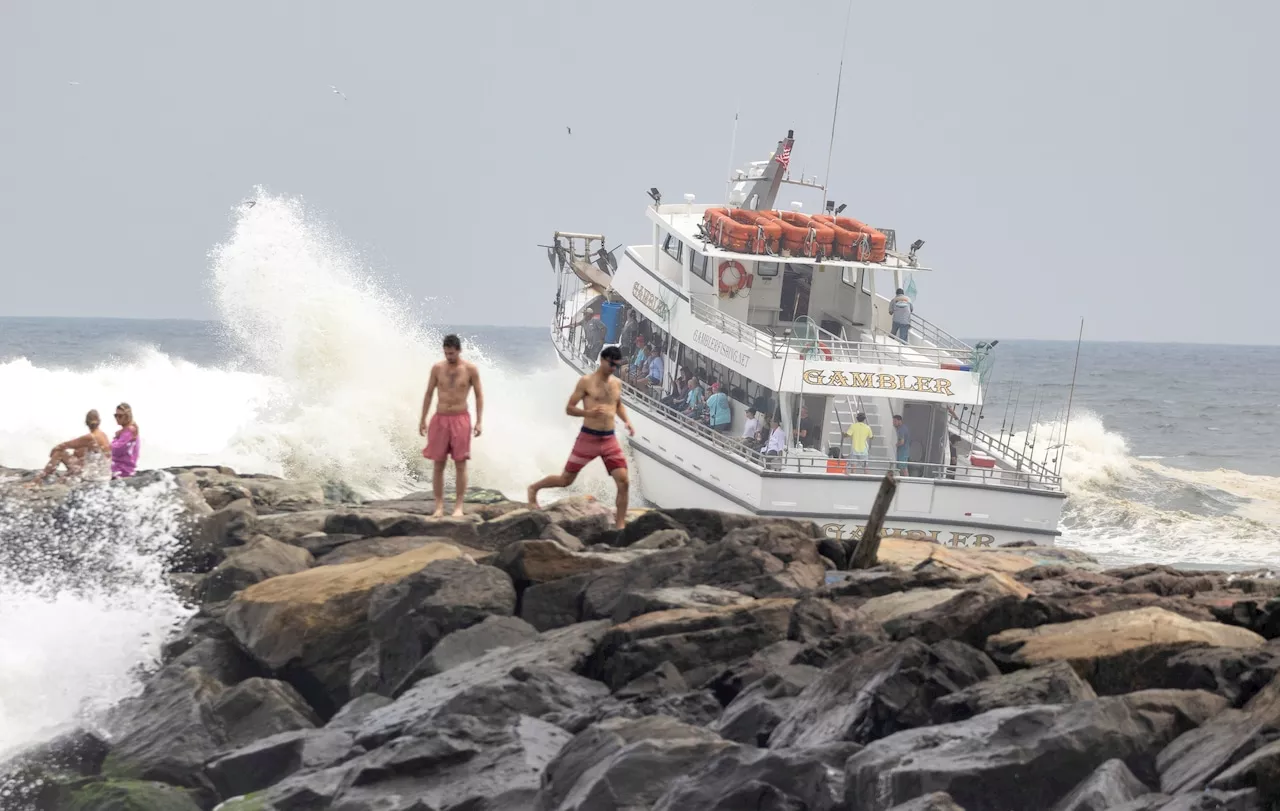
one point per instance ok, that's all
(860, 435)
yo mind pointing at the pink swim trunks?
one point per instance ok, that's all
(591, 444)
(449, 435)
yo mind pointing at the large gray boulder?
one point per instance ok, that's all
(1055, 683)
(261, 558)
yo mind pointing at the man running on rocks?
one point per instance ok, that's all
(449, 432)
(600, 394)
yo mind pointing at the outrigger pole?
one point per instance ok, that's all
(835, 111)
(1071, 397)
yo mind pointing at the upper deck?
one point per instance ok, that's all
(685, 220)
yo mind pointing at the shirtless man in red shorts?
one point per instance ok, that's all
(601, 396)
(450, 431)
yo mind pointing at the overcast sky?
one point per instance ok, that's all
(1112, 160)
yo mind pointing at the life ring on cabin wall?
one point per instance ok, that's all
(732, 276)
(820, 346)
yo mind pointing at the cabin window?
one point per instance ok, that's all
(850, 276)
(701, 267)
(673, 246)
(767, 270)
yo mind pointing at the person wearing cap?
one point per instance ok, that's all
(860, 435)
(595, 332)
(719, 412)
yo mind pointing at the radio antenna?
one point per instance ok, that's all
(835, 111)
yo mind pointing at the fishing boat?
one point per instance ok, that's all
(791, 314)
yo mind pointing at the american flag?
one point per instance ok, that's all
(784, 157)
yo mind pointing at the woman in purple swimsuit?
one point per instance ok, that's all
(125, 446)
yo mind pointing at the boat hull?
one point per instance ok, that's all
(674, 469)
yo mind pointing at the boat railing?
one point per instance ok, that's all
(1030, 476)
(939, 337)
(1004, 451)
(826, 347)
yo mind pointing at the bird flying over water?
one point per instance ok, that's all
(570, 130)
(338, 92)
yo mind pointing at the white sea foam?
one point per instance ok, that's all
(83, 603)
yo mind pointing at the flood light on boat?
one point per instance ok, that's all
(656, 196)
(915, 246)
(840, 208)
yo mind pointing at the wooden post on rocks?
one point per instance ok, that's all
(864, 554)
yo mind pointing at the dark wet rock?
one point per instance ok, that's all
(646, 524)
(261, 558)
(407, 618)
(973, 615)
(230, 526)
(219, 494)
(663, 539)
(755, 712)
(542, 561)
(1116, 652)
(1235, 673)
(355, 711)
(556, 604)
(1109, 785)
(275, 495)
(470, 643)
(814, 619)
(519, 525)
(889, 689)
(1259, 770)
(368, 548)
(625, 763)
(1242, 800)
(1262, 616)
(186, 586)
(1147, 802)
(78, 752)
(937, 801)
(293, 527)
(320, 544)
(882, 581)
(634, 603)
(168, 732)
(747, 778)
(1055, 683)
(1188, 708)
(220, 657)
(460, 762)
(387, 524)
(729, 683)
(1017, 757)
(536, 678)
(268, 760)
(698, 641)
(309, 626)
(695, 707)
(257, 708)
(665, 679)
(557, 533)
(1079, 580)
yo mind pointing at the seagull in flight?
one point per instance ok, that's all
(338, 92)
(570, 130)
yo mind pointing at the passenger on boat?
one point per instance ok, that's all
(902, 309)
(83, 452)
(777, 438)
(656, 365)
(694, 401)
(860, 435)
(595, 331)
(125, 445)
(903, 443)
(808, 434)
(751, 429)
(679, 393)
(630, 330)
(952, 440)
(636, 369)
(719, 411)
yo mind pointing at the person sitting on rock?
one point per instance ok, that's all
(80, 453)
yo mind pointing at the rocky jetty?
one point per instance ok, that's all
(368, 657)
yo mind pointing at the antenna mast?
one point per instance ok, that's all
(826, 181)
(733, 145)
(1071, 397)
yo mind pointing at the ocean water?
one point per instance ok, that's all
(315, 367)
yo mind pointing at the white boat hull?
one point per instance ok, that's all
(673, 469)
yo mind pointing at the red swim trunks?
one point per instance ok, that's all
(449, 435)
(591, 444)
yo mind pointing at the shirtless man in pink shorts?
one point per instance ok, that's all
(601, 396)
(449, 432)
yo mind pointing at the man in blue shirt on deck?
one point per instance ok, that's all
(902, 308)
(903, 444)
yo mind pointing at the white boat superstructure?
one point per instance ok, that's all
(791, 316)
